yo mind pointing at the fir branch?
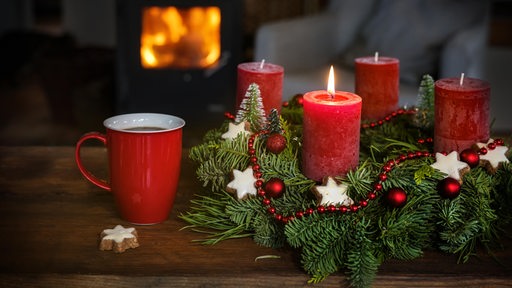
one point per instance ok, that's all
(212, 172)
(426, 171)
(203, 152)
(268, 232)
(360, 180)
(293, 112)
(209, 213)
(468, 219)
(405, 232)
(459, 235)
(326, 253)
(361, 262)
(243, 212)
(502, 196)
(218, 159)
(390, 138)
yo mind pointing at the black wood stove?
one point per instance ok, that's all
(177, 56)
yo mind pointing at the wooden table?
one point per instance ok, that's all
(51, 217)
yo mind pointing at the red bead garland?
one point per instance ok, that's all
(388, 118)
(398, 199)
(321, 209)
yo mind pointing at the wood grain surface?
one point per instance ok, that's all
(51, 218)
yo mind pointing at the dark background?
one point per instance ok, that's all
(36, 64)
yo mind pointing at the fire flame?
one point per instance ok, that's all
(182, 38)
(330, 83)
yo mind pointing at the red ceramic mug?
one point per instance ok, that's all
(144, 155)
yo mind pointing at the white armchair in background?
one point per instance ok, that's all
(437, 37)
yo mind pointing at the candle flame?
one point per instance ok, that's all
(262, 63)
(461, 79)
(330, 83)
(376, 57)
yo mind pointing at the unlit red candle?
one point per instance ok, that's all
(269, 78)
(377, 83)
(331, 126)
(462, 109)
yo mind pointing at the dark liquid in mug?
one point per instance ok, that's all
(145, 128)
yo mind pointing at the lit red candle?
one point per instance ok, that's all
(269, 78)
(377, 83)
(331, 127)
(462, 107)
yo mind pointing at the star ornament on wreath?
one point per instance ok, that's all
(450, 165)
(332, 193)
(492, 154)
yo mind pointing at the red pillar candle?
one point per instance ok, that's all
(462, 107)
(377, 82)
(331, 126)
(269, 78)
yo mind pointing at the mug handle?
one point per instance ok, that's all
(95, 180)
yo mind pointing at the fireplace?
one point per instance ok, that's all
(177, 56)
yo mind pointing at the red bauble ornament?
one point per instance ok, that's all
(274, 187)
(276, 143)
(448, 188)
(298, 99)
(396, 197)
(470, 156)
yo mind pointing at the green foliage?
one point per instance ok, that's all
(356, 243)
(212, 220)
(391, 139)
(423, 173)
(470, 218)
(323, 239)
(362, 261)
(217, 158)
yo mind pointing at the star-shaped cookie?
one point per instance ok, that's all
(234, 130)
(243, 183)
(118, 239)
(494, 157)
(450, 165)
(332, 193)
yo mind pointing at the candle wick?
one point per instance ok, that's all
(377, 56)
(461, 79)
(262, 63)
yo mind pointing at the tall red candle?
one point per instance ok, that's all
(269, 78)
(330, 133)
(377, 83)
(461, 113)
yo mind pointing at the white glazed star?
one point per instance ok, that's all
(333, 193)
(234, 130)
(450, 165)
(243, 183)
(494, 156)
(118, 233)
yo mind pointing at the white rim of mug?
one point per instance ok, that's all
(134, 120)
